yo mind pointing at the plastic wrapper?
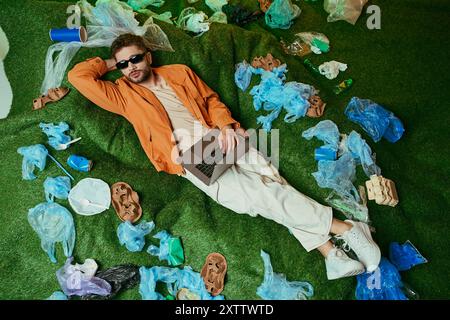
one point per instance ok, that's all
(169, 249)
(120, 278)
(326, 131)
(53, 223)
(405, 256)
(348, 10)
(276, 287)
(55, 134)
(133, 236)
(57, 295)
(104, 23)
(281, 14)
(218, 17)
(90, 196)
(374, 119)
(296, 48)
(192, 20)
(79, 279)
(384, 283)
(318, 42)
(33, 156)
(352, 209)
(175, 280)
(58, 187)
(362, 153)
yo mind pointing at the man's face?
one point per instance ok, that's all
(138, 72)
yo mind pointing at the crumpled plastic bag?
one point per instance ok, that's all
(374, 119)
(104, 23)
(58, 187)
(281, 14)
(384, 283)
(120, 277)
(276, 287)
(352, 209)
(141, 4)
(55, 134)
(362, 153)
(33, 156)
(405, 256)
(53, 223)
(338, 175)
(216, 5)
(243, 75)
(169, 249)
(79, 279)
(57, 295)
(192, 20)
(326, 131)
(348, 10)
(133, 236)
(218, 17)
(318, 42)
(175, 280)
(331, 69)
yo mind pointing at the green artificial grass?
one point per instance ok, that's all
(403, 67)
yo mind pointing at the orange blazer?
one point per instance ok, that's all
(144, 111)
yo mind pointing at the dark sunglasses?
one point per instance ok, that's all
(134, 60)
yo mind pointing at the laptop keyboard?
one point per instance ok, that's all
(206, 169)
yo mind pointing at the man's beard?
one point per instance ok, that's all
(145, 74)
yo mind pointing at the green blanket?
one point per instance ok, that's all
(403, 67)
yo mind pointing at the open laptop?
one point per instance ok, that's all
(206, 161)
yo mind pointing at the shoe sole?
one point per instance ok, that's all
(350, 274)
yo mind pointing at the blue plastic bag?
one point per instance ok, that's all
(281, 13)
(384, 283)
(374, 119)
(133, 236)
(169, 248)
(326, 131)
(53, 223)
(276, 287)
(362, 153)
(58, 187)
(243, 75)
(80, 280)
(175, 280)
(338, 175)
(33, 156)
(55, 134)
(405, 256)
(57, 295)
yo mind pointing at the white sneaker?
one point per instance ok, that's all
(359, 239)
(339, 265)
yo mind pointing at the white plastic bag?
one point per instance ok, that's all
(348, 10)
(104, 23)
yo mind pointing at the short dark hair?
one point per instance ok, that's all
(127, 40)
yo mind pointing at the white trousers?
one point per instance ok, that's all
(254, 186)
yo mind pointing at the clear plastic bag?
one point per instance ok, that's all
(104, 23)
(79, 279)
(374, 119)
(133, 236)
(348, 10)
(192, 20)
(33, 156)
(276, 287)
(243, 75)
(55, 134)
(169, 249)
(281, 14)
(58, 187)
(53, 223)
(352, 209)
(330, 69)
(216, 5)
(175, 280)
(141, 4)
(362, 153)
(326, 131)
